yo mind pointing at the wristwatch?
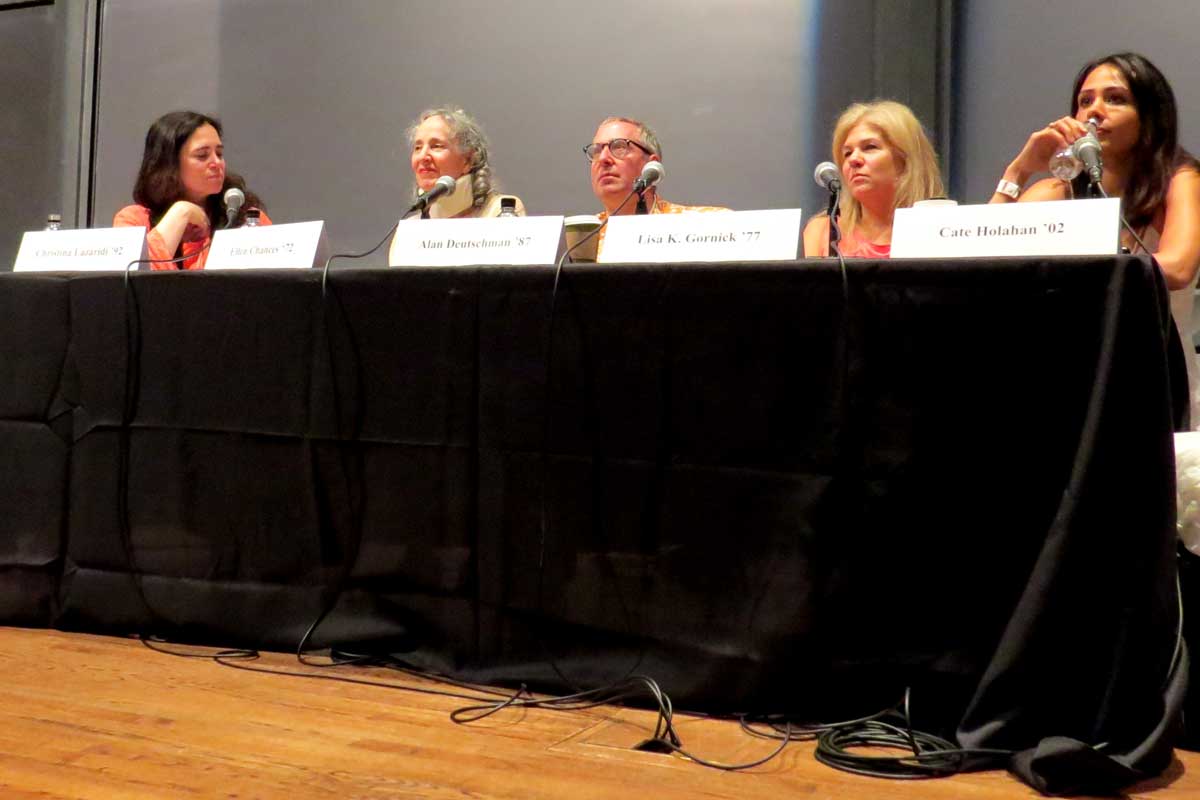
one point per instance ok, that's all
(1009, 188)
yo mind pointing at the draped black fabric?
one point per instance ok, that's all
(764, 491)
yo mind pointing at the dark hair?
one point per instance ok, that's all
(158, 184)
(1156, 155)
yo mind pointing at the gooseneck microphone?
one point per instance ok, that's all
(234, 198)
(828, 176)
(1087, 149)
(444, 186)
(652, 173)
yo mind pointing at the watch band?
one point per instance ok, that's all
(1009, 188)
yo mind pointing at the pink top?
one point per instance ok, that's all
(854, 247)
(193, 244)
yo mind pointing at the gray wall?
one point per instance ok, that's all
(315, 96)
(1016, 59)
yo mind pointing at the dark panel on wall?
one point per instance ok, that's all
(42, 60)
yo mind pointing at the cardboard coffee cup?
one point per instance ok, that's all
(575, 229)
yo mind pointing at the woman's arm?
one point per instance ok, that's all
(171, 227)
(1178, 253)
(1046, 189)
(1036, 154)
(816, 237)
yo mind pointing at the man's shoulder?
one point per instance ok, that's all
(667, 207)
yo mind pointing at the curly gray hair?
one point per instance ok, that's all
(470, 140)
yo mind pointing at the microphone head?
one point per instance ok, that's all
(653, 172)
(444, 185)
(827, 176)
(234, 198)
(1088, 143)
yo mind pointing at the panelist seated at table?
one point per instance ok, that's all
(449, 141)
(887, 163)
(180, 188)
(1158, 181)
(618, 152)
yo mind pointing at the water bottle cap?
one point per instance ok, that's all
(54, 218)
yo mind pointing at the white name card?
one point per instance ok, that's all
(297, 245)
(1055, 228)
(468, 242)
(84, 249)
(771, 235)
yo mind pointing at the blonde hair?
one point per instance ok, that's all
(919, 176)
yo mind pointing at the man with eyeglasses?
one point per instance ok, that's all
(618, 152)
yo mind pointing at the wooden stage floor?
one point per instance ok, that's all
(100, 717)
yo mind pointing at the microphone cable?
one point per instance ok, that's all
(364, 254)
(421, 203)
(543, 513)
(1099, 187)
(353, 468)
(129, 400)
(931, 756)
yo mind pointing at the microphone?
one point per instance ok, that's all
(1087, 149)
(828, 176)
(444, 186)
(652, 173)
(234, 198)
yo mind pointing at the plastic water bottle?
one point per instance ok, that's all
(252, 215)
(54, 222)
(1065, 166)
(508, 206)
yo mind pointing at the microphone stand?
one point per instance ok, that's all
(641, 203)
(834, 210)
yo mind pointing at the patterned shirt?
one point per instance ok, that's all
(660, 207)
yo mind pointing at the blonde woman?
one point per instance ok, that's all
(887, 163)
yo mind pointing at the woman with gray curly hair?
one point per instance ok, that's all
(448, 141)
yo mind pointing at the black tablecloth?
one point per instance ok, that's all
(764, 489)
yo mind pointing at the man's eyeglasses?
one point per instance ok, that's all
(619, 148)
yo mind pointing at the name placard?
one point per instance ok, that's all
(469, 242)
(296, 245)
(770, 235)
(1053, 228)
(84, 249)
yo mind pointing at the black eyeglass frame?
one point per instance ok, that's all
(599, 148)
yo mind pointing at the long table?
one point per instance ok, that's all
(767, 486)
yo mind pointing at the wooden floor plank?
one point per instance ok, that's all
(102, 717)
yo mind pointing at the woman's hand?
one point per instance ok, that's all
(175, 222)
(189, 212)
(1039, 149)
(1043, 144)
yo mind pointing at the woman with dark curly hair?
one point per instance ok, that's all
(178, 195)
